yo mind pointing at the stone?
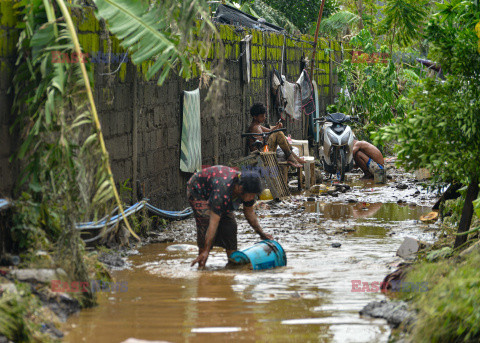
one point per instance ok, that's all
(61, 304)
(402, 186)
(112, 259)
(336, 245)
(39, 275)
(409, 247)
(348, 229)
(51, 330)
(8, 287)
(395, 313)
(470, 249)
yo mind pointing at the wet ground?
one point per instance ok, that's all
(310, 299)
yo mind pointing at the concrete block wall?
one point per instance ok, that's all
(142, 122)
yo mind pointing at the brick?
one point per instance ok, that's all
(173, 137)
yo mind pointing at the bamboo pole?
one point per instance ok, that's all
(315, 41)
(73, 34)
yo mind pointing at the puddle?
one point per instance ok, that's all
(310, 299)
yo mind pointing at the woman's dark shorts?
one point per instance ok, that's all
(226, 236)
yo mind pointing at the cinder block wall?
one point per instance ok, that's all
(142, 121)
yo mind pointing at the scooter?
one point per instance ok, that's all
(336, 144)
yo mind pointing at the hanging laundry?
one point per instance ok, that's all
(294, 99)
(308, 102)
(279, 99)
(191, 152)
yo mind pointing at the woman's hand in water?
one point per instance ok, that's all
(201, 259)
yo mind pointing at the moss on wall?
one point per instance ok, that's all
(266, 48)
(8, 35)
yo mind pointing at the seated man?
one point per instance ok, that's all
(276, 139)
(368, 158)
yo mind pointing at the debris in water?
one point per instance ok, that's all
(430, 217)
(182, 247)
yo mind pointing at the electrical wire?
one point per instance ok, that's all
(114, 219)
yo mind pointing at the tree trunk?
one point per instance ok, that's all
(467, 212)
(359, 4)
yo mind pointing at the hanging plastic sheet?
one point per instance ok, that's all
(308, 102)
(191, 145)
(294, 99)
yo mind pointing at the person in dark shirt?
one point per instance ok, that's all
(214, 193)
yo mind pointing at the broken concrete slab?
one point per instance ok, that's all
(39, 275)
(395, 313)
(408, 248)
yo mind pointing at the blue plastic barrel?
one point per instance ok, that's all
(262, 255)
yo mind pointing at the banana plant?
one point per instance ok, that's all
(66, 164)
(108, 184)
(174, 35)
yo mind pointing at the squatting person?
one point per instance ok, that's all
(368, 158)
(214, 193)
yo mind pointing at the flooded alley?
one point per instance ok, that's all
(311, 299)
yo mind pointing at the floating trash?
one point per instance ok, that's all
(429, 217)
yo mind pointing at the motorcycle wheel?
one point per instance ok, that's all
(341, 164)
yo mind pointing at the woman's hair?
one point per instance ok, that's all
(257, 109)
(251, 182)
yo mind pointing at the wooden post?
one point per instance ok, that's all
(467, 212)
(315, 40)
(330, 76)
(135, 136)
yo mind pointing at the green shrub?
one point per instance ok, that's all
(450, 310)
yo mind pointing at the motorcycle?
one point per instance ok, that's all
(336, 144)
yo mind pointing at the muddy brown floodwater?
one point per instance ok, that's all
(310, 299)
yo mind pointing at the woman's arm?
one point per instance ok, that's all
(209, 237)
(253, 221)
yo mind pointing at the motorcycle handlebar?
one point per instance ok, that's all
(263, 133)
(323, 119)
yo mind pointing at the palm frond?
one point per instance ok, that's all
(162, 33)
(337, 24)
(261, 9)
